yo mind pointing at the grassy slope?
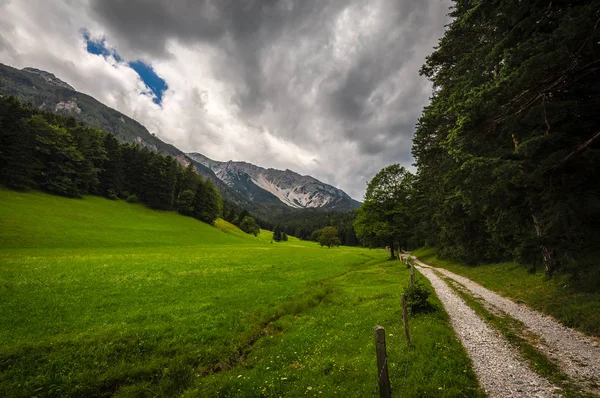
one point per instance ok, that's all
(558, 296)
(101, 297)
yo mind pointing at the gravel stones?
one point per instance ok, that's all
(576, 354)
(500, 370)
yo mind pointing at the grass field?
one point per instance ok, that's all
(106, 298)
(575, 303)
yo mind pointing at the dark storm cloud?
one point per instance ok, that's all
(147, 25)
(244, 29)
(312, 72)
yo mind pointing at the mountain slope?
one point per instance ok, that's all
(47, 92)
(291, 188)
(263, 192)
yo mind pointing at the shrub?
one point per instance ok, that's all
(416, 298)
(132, 198)
(112, 195)
(249, 226)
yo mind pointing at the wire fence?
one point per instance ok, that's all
(397, 368)
(405, 260)
(381, 372)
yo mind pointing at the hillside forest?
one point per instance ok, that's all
(58, 155)
(507, 152)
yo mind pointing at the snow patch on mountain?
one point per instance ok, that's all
(289, 187)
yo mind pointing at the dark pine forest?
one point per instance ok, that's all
(508, 150)
(59, 155)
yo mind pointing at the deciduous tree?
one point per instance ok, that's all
(384, 217)
(249, 226)
(329, 237)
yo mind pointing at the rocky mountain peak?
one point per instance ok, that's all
(48, 78)
(289, 187)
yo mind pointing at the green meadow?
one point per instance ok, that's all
(106, 298)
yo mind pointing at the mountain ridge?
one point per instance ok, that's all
(291, 188)
(241, 186)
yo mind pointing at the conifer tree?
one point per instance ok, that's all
(277, 234)
(90, 143)
(111, 175)
(58, 156)
(207, 202)
(18, 163)
(508, 150)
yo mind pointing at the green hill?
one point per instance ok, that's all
(107, 298)
(38, 220)
(46, 92)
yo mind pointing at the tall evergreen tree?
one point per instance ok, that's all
(58, 155)
(111, 175)
(161, 177)
(207, 202)
(18, 163)
(507, 151)
(187, 178)
(277, 234)
(90, 143)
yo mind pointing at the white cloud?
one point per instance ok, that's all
(290, 116)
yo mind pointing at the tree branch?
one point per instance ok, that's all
(579, 149)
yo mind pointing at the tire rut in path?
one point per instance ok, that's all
(577, 355)
(498, 366)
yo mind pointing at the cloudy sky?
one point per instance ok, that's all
(326, 88)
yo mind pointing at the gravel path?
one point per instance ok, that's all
(576, 354)
(500, 370)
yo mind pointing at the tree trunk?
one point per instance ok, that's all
(392, 251)
(547, 253)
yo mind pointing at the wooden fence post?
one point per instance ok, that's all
(385, 390)
(405, 318)
(412, 274)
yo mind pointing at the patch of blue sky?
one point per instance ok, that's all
(99, 47)
(155, 83)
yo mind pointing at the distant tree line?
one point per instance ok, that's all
(59, 155)
(308, 224)
(304, 224)
(508, 150)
